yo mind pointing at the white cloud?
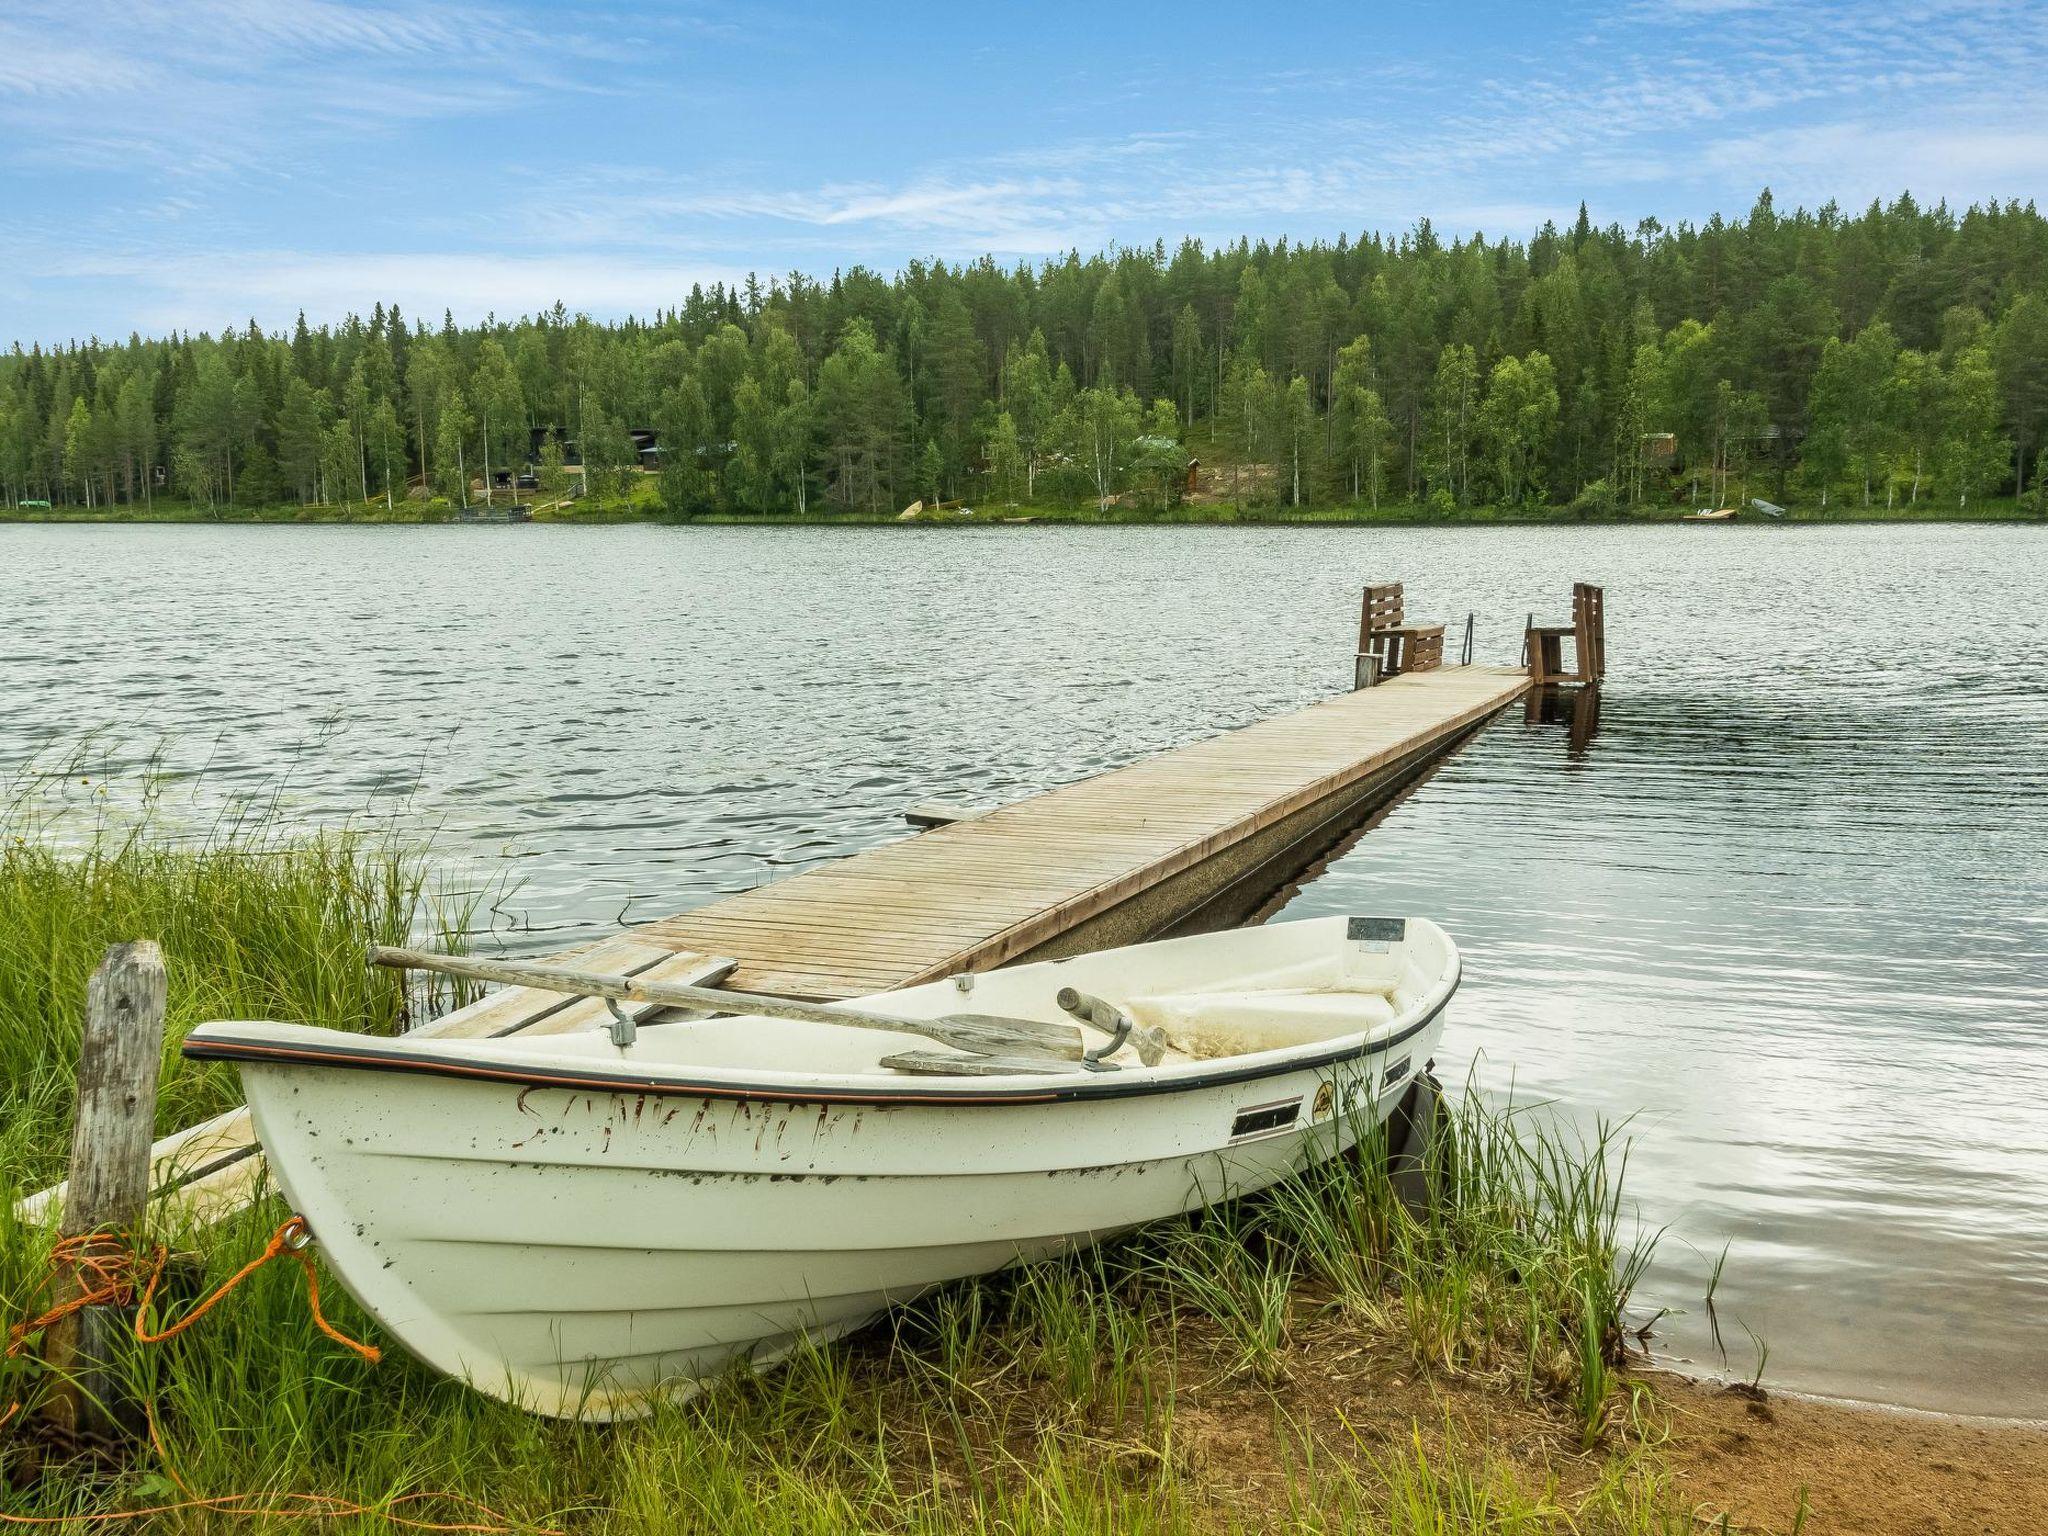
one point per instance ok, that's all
(209, 292)
(1699, 100)
(37, 64)
(208, 87)
(1854, 161)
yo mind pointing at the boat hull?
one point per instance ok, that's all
(581, 1251)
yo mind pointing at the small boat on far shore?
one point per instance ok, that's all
(581, 1223)
(1710, 515)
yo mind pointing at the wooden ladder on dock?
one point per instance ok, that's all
(1543, 646)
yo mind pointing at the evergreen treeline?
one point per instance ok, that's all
(1898, 354)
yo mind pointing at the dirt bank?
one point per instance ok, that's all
(1865, 1469)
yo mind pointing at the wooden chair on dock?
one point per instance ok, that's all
(1384, 632)
(1588, 632)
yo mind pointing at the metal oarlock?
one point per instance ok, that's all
(624, 1029)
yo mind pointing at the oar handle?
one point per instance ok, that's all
(968, 1034)
(1150, 1043)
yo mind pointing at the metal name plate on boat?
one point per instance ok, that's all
(1376, 935)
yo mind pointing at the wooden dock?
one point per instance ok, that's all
(1200, 836)
(1112, 859)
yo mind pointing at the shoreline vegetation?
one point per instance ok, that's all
(1314, 1359)
(646, 508)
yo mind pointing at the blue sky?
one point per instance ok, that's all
(197, 164)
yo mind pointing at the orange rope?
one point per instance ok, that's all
(105, 1278)
(290, 1238)
(105, 1271)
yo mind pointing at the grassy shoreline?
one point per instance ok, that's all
(642, 509)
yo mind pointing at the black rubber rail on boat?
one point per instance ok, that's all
(982, 1033)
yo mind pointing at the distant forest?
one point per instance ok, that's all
(1897, 354)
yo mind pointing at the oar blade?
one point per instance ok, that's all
(945, 1064)
(993, 1035)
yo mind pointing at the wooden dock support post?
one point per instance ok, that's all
(118, 1060)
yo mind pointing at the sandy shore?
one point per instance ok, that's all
(1863, 1469)
(1764, 1463)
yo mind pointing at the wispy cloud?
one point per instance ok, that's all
(42, 63)
(1868, 158)
(270, 286)
(206, 87)
(1668, 96)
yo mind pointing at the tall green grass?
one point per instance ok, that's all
(1050, 1398)
(1521, 1266)
(256, 920)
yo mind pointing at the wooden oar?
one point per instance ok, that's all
(984, 1033)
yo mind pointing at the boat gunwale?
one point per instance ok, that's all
(375, 1056)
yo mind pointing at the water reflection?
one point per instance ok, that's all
(1576, 709)
(1780, 889)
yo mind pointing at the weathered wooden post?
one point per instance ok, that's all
(109, 1176)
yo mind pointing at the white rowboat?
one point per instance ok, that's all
(577, 1226)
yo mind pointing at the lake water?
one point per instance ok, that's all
(1788, 905)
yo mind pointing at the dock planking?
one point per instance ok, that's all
(978, 893)
(973, 893)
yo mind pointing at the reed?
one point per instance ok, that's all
(1524, 1264)
(1071, 1326)
(256, 920)
(1217, 1266)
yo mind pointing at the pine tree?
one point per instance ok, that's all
(301, 421)
(1187, 361)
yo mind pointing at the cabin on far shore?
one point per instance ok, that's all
(537, 439)
(646, 447)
